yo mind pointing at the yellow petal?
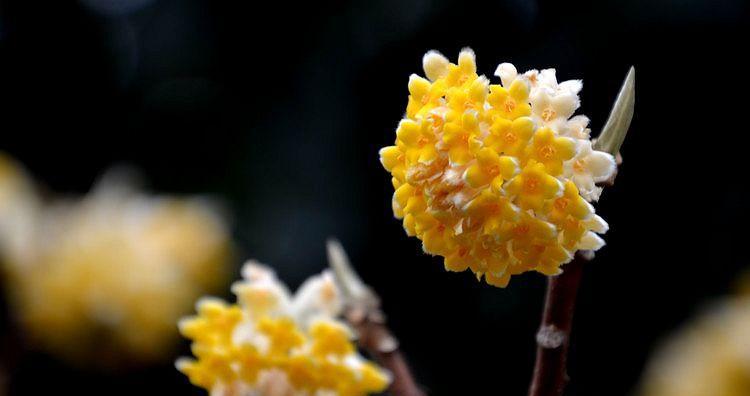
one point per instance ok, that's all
(501, 125)
(470, 120)
(459, 155)
(521, 110)
(551, 186)
(403, 193)
(519, 90)
(453, 133)
(478, 90)
(534, 202)
(475, 176)
(428, 154)
(566, 148)
(457, 262)
(390, 157)
(498, 281)
(549, 270)
(508, 166)
(488, 157)
(523, 127)
(467, 61)
(497, 184)
(373, 380)
(497, 96)
(409, 225)
(418, 86)
(408, 132)
(415, 205)
(398, 210)
(543, 136)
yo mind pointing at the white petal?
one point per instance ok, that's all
(507, 73)
(585, 183)
(532, 76)
(590, 241)
(576, 128)
(317, 297)
(269, 297)
(181, 362)
(565, 104)
(540, 100)
(601, 165)
(244, 332)
(572, 86)
(592, 194)
(273, 382)
(591, 210)
(435, 65)
(254, 271)
(584, 148)
(568, 171)
(557, 124)
(548, 78)
(597, 224)
(579, 121)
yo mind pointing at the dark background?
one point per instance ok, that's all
(280, 108)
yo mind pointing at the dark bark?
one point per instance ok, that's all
(375, 337)
(553, 339)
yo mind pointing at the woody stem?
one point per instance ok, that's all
(375, 337)
(553, 339)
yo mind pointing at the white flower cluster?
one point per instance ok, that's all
(263, 294)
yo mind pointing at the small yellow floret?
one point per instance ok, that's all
(330, 338)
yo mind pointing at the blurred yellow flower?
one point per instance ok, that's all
(101, 280)
(496, 177)
(272, 343)
(19, 207)
(710, 356)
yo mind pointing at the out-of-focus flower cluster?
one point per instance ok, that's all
(103, 279)
(273, 344)
(496, 177)
(710, 356)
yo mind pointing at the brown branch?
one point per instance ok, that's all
(553, 338)
(550, 373)
(364, 315)
(375, 338)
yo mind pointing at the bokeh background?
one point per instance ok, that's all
(279, 109)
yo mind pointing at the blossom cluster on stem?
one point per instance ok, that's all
(273, 343)
(496, 178)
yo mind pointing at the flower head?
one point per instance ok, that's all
(271, 341)
(109, 274)
(495, 177)
(708, 356)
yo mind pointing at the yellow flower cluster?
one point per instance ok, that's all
(271, 341)
(102, 280)
(488, 175)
